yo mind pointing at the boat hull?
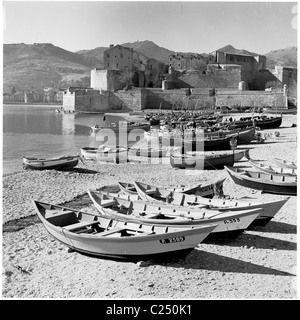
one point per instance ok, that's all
(201, 162)
(49, 164)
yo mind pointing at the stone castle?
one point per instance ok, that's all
(189, 81)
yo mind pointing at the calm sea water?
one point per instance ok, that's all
(38, 131)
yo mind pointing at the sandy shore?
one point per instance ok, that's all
(259, 264)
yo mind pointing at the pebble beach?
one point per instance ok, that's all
(260, 264)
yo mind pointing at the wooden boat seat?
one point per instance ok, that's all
(178, 199)
(151, 191)
(108, 202)
(56, 213)
(111, 231)
(79, 225)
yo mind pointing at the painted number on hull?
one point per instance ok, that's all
(171, 240)
(233, 220)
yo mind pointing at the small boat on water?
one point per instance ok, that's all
(112, 238)
(58, 163)
(123, 126)
(229, 223)
(162, 195)
(208, 190)
(267, 182)
(273, 169)
(286, 164)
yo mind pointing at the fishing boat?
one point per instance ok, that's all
(229, 224)
(115, 154)
(267, 182)
(59, 163)
(273, 169)
(122, 126)
(238, 153)
(112, 238)
(148, 152)
(262, 122)
(208, 190)
(163, 195)
(202, 161)
(286, 164)
(243, 136)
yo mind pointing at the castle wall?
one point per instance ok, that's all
(225, 76)
(234, 98)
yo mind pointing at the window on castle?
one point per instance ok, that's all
(117, 65)
(107, 55)
(231, 59)
(107, 64)
(121, 55)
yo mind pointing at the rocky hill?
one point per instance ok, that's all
(32, 66)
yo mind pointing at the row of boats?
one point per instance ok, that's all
(143, 221)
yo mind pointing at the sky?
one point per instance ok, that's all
(195, 26)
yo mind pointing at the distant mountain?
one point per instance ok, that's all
(285, 57)
(42, 65)
(150, 49)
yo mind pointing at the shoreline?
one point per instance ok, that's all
(259, 264)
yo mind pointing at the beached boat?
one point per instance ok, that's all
(243, 136)
(208, 190)
(148, 152)
(262, 122)
(238, 153)
(175, 138)
(59, 163)
(273, 169)
(229, 223)
(112, 153)
(162, 195)
(202, 161)
(286, 164)
(268, 183)
(101, 236)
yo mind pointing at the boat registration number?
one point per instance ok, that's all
(233, 220)
(171, 240)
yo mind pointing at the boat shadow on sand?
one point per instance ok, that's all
(203, 260)
(257, 242)
(276, 227)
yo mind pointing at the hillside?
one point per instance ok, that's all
(285, 57)
(43, 65)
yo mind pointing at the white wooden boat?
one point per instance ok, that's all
(208, 190)
(270, 208)
(58, 163)
(273, 169)
(115, 154)
(101, 236)
(148, 152)
(285, 164)
(267, 182)
(229, 223)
